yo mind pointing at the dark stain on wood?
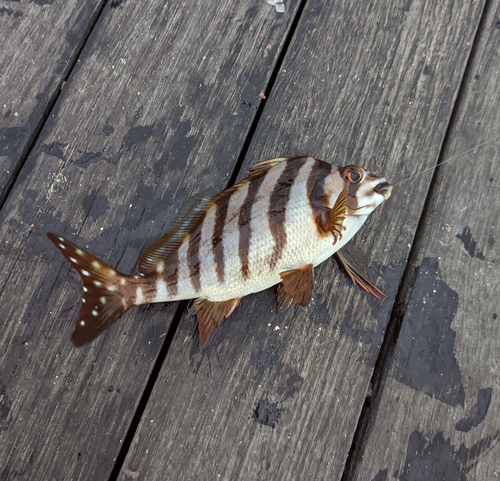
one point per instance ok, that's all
(291, 386)
(11, 140)
(55, 149)
(108, 130)
(318, 310)
(95, 205)
(439, 459)
(266, 413)
(425, 355)
(137, 136)
(477, 412)
(266, 358)
(271, 370)
(381, 475)
(182, 144)
(87, 158)
(116, 3)
(11, 13)
(470, 244)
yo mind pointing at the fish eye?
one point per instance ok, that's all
(353, 174)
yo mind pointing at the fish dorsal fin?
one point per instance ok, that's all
(163, 247)
(298, 284)
(264, 166)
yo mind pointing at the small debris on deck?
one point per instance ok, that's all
(278, 4)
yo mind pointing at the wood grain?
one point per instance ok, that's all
(157, 108)
(39, 39)
(440, 405)
(277, 396)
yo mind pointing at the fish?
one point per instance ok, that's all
(287, 216)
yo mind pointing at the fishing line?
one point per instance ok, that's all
(447, 160)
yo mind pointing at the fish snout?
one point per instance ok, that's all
(383, 188)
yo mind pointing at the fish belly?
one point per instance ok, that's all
(302, 246)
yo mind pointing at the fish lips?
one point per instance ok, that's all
(384, 189)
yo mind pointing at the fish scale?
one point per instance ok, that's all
(289, 215)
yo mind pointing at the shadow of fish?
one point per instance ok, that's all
(287, 216)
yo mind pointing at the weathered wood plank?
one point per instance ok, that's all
(440, 406)
(373, 86)
(154, 111)
(39, 40)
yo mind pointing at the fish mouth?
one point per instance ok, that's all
(384, 188)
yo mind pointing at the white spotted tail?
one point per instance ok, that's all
(106, 292)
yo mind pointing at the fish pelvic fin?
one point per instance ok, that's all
(106, 292)
(210, 315)
(298, 284)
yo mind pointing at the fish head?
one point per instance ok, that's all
(366, 190)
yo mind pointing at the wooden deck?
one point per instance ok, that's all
(113, 114)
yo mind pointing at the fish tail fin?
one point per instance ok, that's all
(106, 292)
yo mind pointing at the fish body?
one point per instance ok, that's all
(289, 215)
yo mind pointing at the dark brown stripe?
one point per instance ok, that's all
(222, 202)
(244, 222)
(278, 203)
(193, 254)
(352, 201)
(171, 273)
(318, 199)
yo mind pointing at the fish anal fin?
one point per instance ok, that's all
(298, 284)
(159, 252)
(105, 292)
(210, 315)
(355, 264)
(331, 220)
(284, 300)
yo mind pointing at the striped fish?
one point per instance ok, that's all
(289, 215)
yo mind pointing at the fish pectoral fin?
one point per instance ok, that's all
(284, 300)
(354, 262)
(158, 252)
(298, 284)
(337, 214)
(210, 315)
(331, 220)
